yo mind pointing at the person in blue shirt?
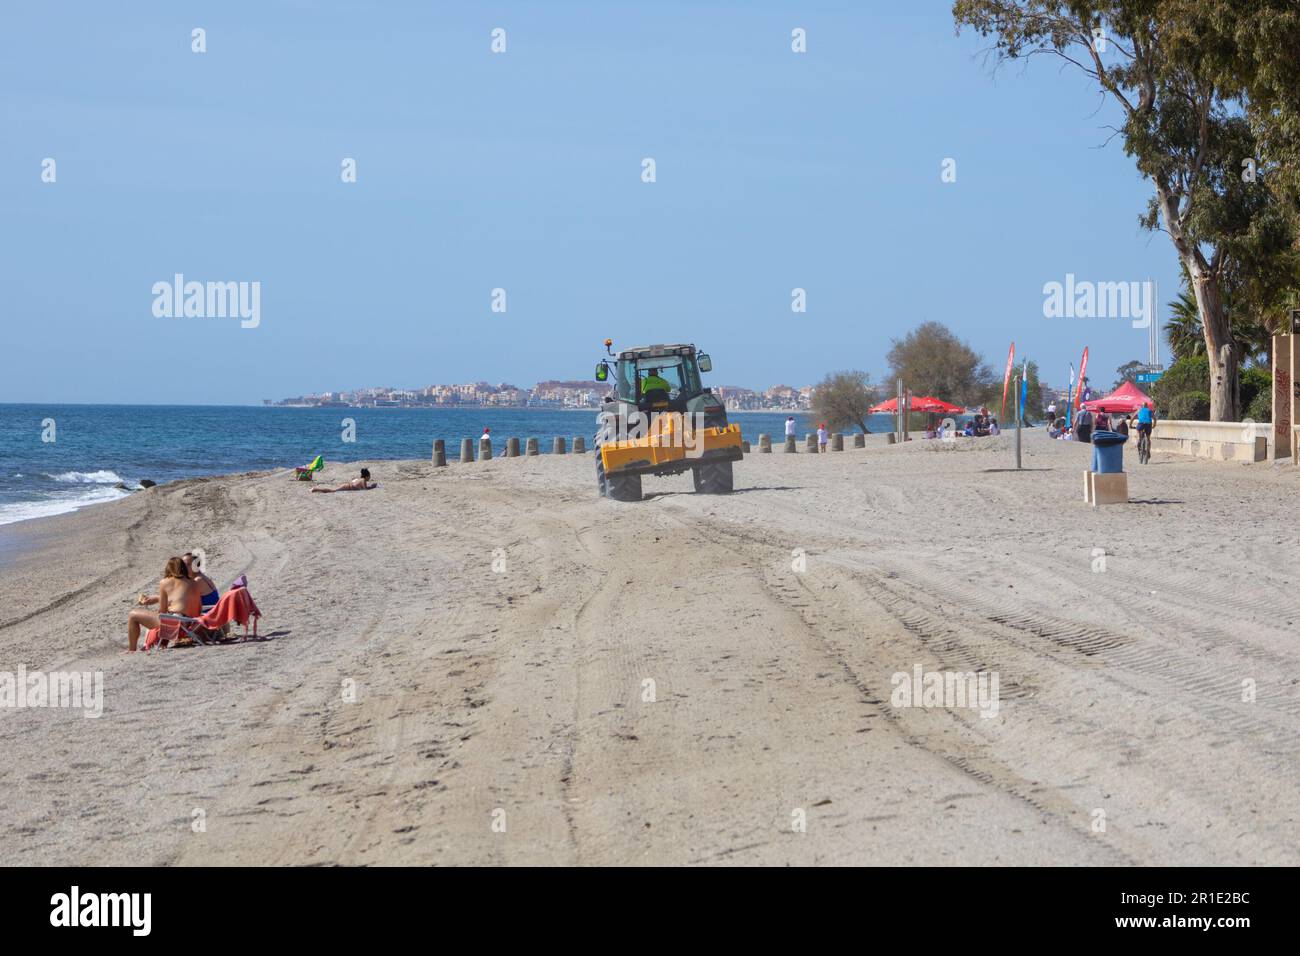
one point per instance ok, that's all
(1145, 419)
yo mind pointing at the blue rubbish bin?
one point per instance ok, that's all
(1108, 452)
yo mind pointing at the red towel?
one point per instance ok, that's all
(235, 605)
(168, 630)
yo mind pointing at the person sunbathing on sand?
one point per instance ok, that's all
(356, 484)
(177, 594)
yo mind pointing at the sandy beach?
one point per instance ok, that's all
(545, 677)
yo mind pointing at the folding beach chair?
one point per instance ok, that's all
(172, 627)
(304, 472)
(235, 607)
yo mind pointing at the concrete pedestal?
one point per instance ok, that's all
(1106, 489)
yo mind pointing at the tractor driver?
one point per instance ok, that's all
(653, 382)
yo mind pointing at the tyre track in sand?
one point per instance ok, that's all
(811, 656)
(1158, 685)
(871, 634)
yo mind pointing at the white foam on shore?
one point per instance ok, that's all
(27, 510)
(104, 477)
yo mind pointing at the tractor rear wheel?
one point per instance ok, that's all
(623, 487)
(713, 478)
(600, 473)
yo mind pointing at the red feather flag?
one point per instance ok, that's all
(1083, 370)
(1006, 380)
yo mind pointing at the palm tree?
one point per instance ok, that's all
(1183, 330)
(1252, 337)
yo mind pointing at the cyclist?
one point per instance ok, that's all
(1146, 421)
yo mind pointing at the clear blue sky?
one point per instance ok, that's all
(523, 171)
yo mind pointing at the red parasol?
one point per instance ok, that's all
(920, 403)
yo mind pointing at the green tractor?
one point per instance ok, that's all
(660, 420)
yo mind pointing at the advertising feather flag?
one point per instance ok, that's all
(1069, 396)
(1083, 371)
(1024, 390)
(1006, 380)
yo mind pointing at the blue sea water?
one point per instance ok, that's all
(97, 447)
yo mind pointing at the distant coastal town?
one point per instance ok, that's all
(551, 394)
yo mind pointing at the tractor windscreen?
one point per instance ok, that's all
(678, 371)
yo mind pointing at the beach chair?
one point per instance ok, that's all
(235, 607)
(304, 472)
(194, 628)
(173, 627)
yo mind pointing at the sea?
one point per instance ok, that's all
(59, 458)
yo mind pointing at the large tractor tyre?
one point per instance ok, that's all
(600, 473)
(623, 487)
(713, 478)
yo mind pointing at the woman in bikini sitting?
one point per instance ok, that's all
(208, 593)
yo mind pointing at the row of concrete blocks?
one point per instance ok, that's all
(580, 446)
(810, 443)
(560, 447)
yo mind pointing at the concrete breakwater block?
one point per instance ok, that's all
(439, 453)
(467, 449)
(530, 447)
(512, 447)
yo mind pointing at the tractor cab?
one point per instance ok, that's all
(658, 376)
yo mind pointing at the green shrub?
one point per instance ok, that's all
(1186, 375)
(1260, 408)
(1190, 407)
(1255, 382)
